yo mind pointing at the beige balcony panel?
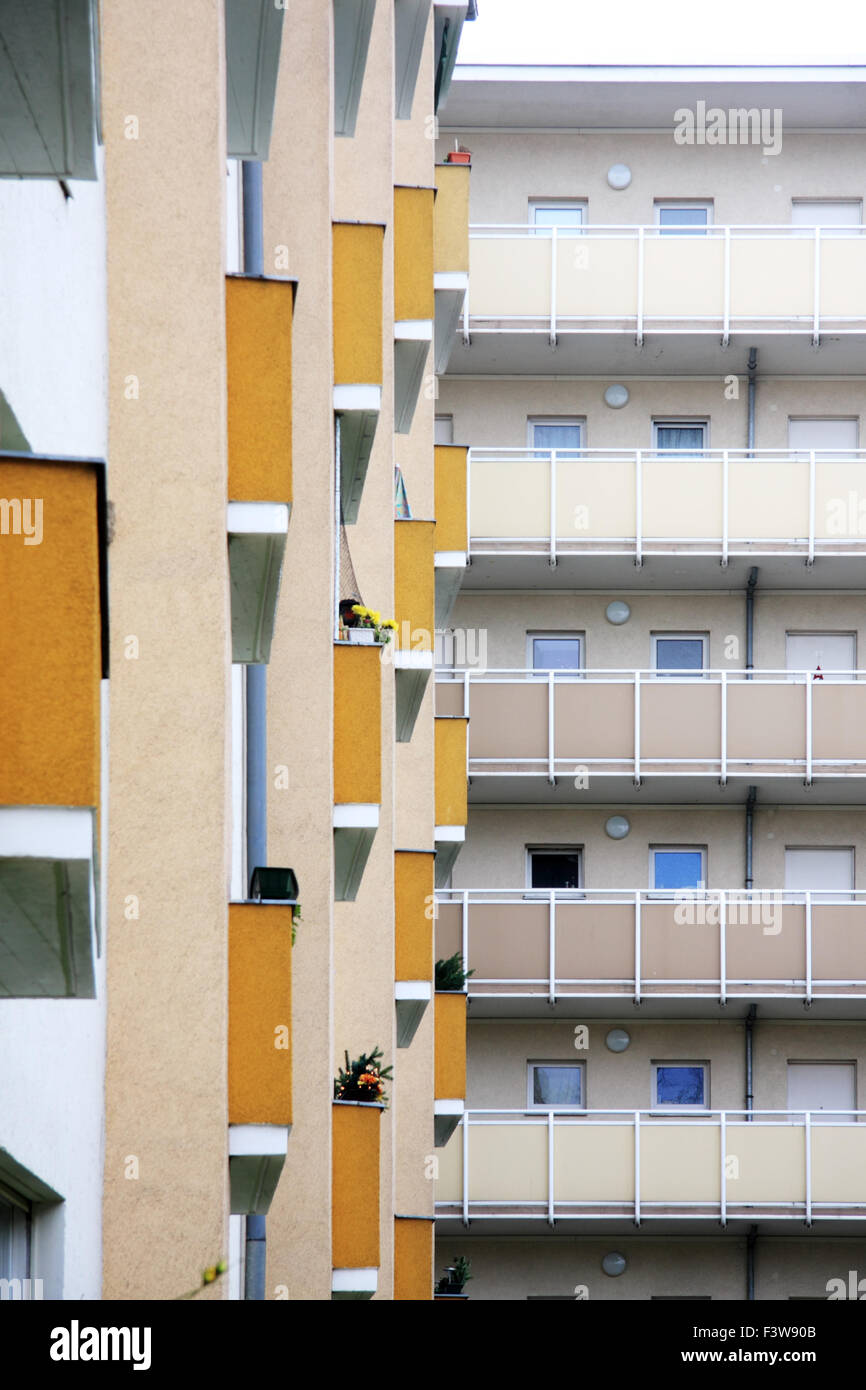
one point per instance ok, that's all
(449, 1185)
(596, 277)
(771, 276)
(682, 497)
(837, 513)
(594, 497)
(756, 950)
(768, 500)
(509, 940)
(594, 720)
(674, 951)
(510, 498)
(593, 1163)
(449, 929)
(509, 277)
(838, 720)
(684, 277)
(449, 699)
(838, 1162)
(771, 1159)
(766, 721)
(508, 721)
(682, 1166)
(838, 940)
(680, 721)
(843, 277)
(594, 940)
(507, 1163)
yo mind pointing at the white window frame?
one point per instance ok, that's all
(826, 895)
(573, 420)
(532, 1104)
(699, 673)
(819, 632)
(566, 204)
(665, 1108)
(801, 453)
(828, 229)
(556, 636)
(679, 423)
(20, 1260)
(824, 1062)
(667, 894)
(668, 203)
(532, 891)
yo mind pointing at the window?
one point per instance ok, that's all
(563, 434)
(443, 429)
(566, 214)
(554, 866)
(677, 653)
(690, 435)
(836, 215)
(556, 1086)
(675, 867)
(834, 652)
(15, 1218)
(681, 1085)
(555, 651)
(683, 217)
(827, 1086)
(823, 435)
(827, 872)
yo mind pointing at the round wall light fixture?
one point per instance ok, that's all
(614, 1264)
(616, 396)
(617, 1040)
(617, 612)
(619, 176)
(617, 827)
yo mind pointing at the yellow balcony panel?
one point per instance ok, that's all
(357, 761)
(449, 1087)
(413, 929)
(452, 534)
(355, 1199)
(413, 1258)
(410, 28)
(414, 603)
(450, 797)
(259, 1050)
(253, 33)
(651, 1165)
(353, 24)
(413, 252)
(358, 250)
(259, 369)
(450, 256)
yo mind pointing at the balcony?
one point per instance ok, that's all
(410, 29)
(357, 309)
(254, 30)
(53, 655)
(511, 1166)
(413, 1258)
(357, 762)
(413, 298)
(606, 291)
(355, 1200)
(449, 1086)
(450, 808)
(450, 255)
(260, 1055)
(571, 518)
(49, 66)
(452, 526)
(558, 736)
(413, 937)
(353, 24)
(259, 371)
(414, 599)
(537, 952)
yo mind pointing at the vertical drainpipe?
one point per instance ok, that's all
(753, 378)
(751, 798)
(751, 586)
(750, 806)
(750, 1071)
(751, 1240)
(257, 700)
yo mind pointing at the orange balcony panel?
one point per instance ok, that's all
(450, 464)
(50, 634)
(451, 218)
(357, 724)
(260, 1014)
(413, 253)
(450, 764)
(259, 370)
(413, 915)
(414, 584)
(413, 1258)
(357, 308)
(355, 1186)
(450, 1046)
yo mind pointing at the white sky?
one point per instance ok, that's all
(665, 31)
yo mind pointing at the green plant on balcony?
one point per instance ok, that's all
(450, 974)
(456, 1276)
(364, 1079)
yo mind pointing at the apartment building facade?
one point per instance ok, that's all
(230, 272)
(657, 644)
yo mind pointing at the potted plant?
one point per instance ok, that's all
(459, 155)
(364, 626)
(364, 1079)
(454, 1280)
(450, 974)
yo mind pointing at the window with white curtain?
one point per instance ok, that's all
(690, 435)
(556, 1086)
(563, 433)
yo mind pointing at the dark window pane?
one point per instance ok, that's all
(556, 653)
(680, 1085)
(679, 654)
(677, 868)
(556, 870)
(683, 221)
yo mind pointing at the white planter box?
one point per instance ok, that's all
(361, 636)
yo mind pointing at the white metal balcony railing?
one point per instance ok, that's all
(597, 1163)
(558, 724)
(601, 277)
(723, 502)
(645, 943)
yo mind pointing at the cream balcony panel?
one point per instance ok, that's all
(838, 714)
(768, 500)
(684, 277)
(593, 722)
(681, 721)
(838, 1159)
(772, 277)
(594, 498)
(766, 721)
(508, 1162)
(449, 1184)
(680, 1168)
(509, 277)
(771, 1159)
(509, 720)
(843, 276)
(682, 497)
(510, 497)
(592, 1163)
(597, 277)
